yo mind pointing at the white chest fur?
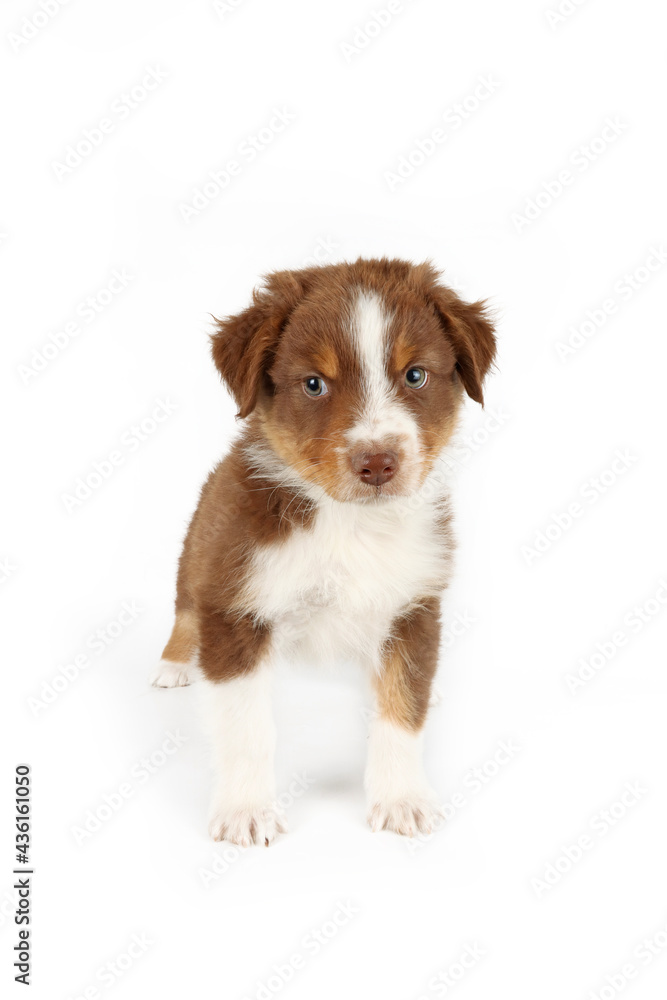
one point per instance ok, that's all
(333, 588)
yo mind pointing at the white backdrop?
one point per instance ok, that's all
(521, 147)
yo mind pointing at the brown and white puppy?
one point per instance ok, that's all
(326, 531)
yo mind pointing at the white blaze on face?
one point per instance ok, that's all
(383, 418)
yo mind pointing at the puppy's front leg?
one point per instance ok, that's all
(235, 655)
(399, 796)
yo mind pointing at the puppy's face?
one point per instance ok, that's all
(356, 372)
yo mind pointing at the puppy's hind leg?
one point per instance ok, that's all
(177, 667)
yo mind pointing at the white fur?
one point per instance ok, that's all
(170, 674)
(238, 716)
(399, 796)
(383, 417)
(333, 588)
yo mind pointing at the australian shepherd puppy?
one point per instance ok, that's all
(326, 531)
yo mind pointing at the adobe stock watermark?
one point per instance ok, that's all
(578, 163)
(85, 312)
(590, 493)
(311, 945)
(121, 109)
(562, 12)
(474, 780)
(367, 31)
(455, 626)
(223, 859)
(247, 152)
(643, 955)
(465, 445)
(598, 827)
(445, 980)
(32, 24)
(96, 643)
(224, 7)
(634, 621)
(94, 136)
(623, 290)
(453, 118)
(322, 252)
(7, 569)
(112, 802)
(110, 972)
(131, 440)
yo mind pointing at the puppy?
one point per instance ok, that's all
(326, 531)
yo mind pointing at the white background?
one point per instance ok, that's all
(558, 425)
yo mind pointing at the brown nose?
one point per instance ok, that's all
(375, 469)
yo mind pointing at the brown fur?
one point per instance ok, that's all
(409, 664)
(235, 513)
(184, 638)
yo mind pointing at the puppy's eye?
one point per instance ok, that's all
(416, 377)
(315, 386)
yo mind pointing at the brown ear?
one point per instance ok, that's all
(470, 331)
(244, 345)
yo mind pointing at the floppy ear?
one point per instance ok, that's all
(470, 332)
(244, 345)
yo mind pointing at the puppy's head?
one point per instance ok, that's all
(356, 372)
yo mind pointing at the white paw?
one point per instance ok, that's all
(250, 825)
(170, 674)
(408, 816)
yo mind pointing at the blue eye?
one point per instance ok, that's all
(315, 386)
(416, 377)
